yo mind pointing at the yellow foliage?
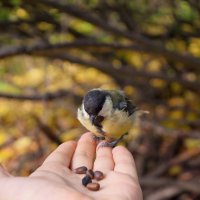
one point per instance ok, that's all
(194, 46)
(169, 124)
(22, 144)
(192, 98)
(45, 26)
(3, 137)
(6, 154)
(158, 83)
(192, 143)
(32, 77)
(21, 13)
(177, 101)
(85, 27)
(5, 108)
(155, 29)
(192, 116)
(176, 87)
(91, 75)
(135, 58)
(176, 114)
(71, 134)
(129, 90)
(180, 45)
(175, 170)
(154, 66)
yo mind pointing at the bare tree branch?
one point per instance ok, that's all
(17, 50)
(81, 13)
(161, 182)
(164, 193)
(49, 96)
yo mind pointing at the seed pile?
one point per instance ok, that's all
(89, 175)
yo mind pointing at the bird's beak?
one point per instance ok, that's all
(92, 119)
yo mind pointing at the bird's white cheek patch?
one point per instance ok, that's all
(106, 110)
(85, 114)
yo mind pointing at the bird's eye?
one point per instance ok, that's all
(122, 105)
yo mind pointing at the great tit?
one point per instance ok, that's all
(109, 114)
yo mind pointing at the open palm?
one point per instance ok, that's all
(55, 179)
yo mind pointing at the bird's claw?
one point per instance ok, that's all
(108, 144)
(113, 143)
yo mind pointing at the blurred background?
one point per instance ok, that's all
(53, 51)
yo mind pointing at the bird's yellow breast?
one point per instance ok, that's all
(114, 125)
(117, 124)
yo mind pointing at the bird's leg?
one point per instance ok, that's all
(113, 143)
(98, 138)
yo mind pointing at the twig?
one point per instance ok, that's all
(18, 50)
(7, 143)
(47, 131)
(181, 158)
(164, 193)
(49, 96)
(192, 186)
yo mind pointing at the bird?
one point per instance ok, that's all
(108, 114)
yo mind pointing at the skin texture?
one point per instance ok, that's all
(55, 178)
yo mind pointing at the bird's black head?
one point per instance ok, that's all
(93, 101)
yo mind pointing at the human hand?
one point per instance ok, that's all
(55, 178)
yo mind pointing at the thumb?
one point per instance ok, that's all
(3, 172)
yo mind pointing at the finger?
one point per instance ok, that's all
(63, 154)
(3, 172)
(124, 162)
(104, 159)
(85, 152)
